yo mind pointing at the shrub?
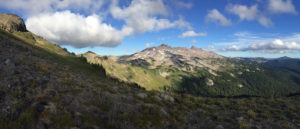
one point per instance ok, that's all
(251, 114)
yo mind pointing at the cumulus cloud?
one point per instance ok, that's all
(281, 6)
(250, 13)
(244, 12)
(218, 18)
(68, 28)
(141, 16)
(33, 7)
(192, 33)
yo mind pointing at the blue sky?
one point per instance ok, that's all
(257, 28)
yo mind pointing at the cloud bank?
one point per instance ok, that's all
(251, 42)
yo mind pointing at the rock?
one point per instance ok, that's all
(11, 23)
(209, 82)
(7, 61)
(142, 95)
(231, 74)
(163, 112)
(167, 97)
(51, 107)
(240, 86)
(41, 106)
(219, 127)
(51, 93)
(240, 119)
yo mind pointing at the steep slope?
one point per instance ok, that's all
(41, 89)
(16, 26)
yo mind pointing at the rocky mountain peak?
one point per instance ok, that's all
(90, 52)
(164, 55)
(11, 22)
(164, 46)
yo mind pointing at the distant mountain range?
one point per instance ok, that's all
(199, 72)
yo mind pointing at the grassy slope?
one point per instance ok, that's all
(148, 78)
(247, 79)
(33, 39)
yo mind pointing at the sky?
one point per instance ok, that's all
(234, 28)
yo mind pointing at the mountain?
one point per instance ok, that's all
(199, 72)
(164, 55)
(45, 87)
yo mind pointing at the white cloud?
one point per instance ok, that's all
(265, 21)
(216, 17)
(277, 46)
(142, 16)
(281, 6)
(268, 43)
(191, 33)
(183, 4)
(149, 45)
(33, 7)
(244, 12)
(67, 28)
(231, 48)
(250, 13)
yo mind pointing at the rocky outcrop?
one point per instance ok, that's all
(11, 23)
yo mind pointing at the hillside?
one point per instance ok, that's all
(198, 72)
(45, 87)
